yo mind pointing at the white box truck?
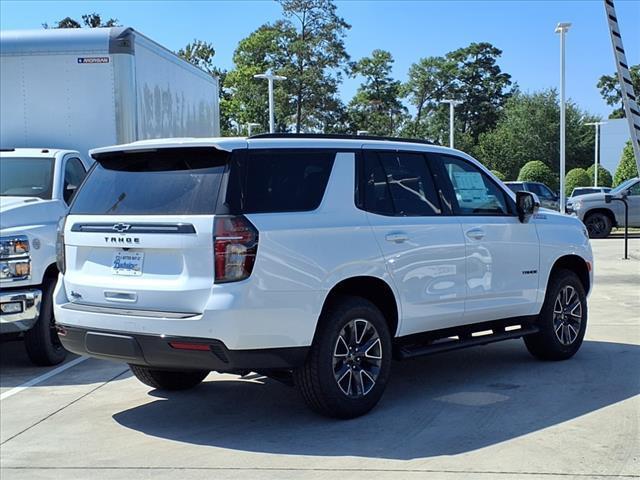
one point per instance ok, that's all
(63, 92)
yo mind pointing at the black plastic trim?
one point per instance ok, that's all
(340, 137)
(110, 227)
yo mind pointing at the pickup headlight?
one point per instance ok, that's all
(577, 205)
(15, 261)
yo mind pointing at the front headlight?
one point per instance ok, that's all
(15, 261)
(577, 205)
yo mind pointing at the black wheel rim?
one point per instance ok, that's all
(596, 226)
(567, 315)
(357, 358)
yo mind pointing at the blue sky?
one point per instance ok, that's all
(408, 29)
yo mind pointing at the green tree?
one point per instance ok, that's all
(537, 171)
(90, 20)
(471, 75)
(499, 174)
(376, 106)
(627, 168)
(528, 129)
(604, 176)
(577, 177)
(610, 90)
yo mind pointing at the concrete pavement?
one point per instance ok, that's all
(489, 412)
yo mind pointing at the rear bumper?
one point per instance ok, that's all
(28, 303)
(156, 351)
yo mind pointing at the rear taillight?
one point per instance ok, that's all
(235, 243)
(60, 260)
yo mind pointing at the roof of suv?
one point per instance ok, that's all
(277, 141)
(33, 152)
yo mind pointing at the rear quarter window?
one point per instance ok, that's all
(265, 181)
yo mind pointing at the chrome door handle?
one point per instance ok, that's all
(475, 233)
(396, 237)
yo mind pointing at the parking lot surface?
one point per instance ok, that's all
(488, 412)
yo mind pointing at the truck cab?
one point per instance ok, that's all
(36, 188)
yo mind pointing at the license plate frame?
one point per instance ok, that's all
(128, 264)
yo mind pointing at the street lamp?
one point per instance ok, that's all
(250, 127)
(597, 151)
(452, 104)
(562, 28)
(270, 78)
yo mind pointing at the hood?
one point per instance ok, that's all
(589, 197)
(25, 211)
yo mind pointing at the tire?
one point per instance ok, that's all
(42, 342)
(169, 379)
(342, 383)
(560, 334)
(598, 225)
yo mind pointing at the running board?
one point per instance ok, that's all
(404, 352)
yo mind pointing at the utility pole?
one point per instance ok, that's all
(562, 28)
(452, 104)
(270, 77)
(597, 150)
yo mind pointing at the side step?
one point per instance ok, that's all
(404, 352)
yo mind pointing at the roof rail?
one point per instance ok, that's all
(7, 149)
(340, 137)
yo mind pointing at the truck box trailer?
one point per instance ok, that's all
(84, 88)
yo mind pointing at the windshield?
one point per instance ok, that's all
(26, 177)
(624, 185)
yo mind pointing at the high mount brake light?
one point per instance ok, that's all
(235, 243)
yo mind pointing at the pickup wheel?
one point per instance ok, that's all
(42, 342)
(598, 225)
(562, 320)
(168, 379)
(348, 365)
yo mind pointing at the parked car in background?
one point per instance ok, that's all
(599, 216)
(548, 198)
(586, 190)
(314, 260)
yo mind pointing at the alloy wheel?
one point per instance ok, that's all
(567, 315)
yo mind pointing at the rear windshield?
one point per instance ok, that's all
(162, 182)
(265, 181)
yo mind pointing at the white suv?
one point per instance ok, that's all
(311, 259)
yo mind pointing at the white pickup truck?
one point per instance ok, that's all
(36, 186)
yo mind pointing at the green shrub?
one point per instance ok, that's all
(604, 176)
(537, 171)
(627, 168)
(499, 174)
(578, 177)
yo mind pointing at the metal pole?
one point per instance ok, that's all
(272, 118)
(561, 29)
(595, 160)
(451, 110)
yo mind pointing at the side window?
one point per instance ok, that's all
(74, 173)
(399, 183)
(266, 181)
(541, 190)
(473, 192)
(635, 189)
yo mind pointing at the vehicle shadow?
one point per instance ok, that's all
(16, 368)
(441, 405)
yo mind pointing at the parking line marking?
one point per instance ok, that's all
(42, 378)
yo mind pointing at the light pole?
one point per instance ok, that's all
(597, 151)
(250, 127)
(452, 104)
(270, 78)
(562, 28)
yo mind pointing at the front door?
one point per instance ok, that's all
(502, 254)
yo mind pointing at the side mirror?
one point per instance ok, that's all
(527, 204)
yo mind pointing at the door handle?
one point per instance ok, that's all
(396, 237)
(475, 233)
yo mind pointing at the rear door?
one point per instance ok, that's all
(502, 254)
(140, 230)
(423, 248)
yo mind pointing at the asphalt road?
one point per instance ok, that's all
(490, 412)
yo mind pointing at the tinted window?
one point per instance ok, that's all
(278, 180)
(515, 187)
(584, 191)
(376, 194)
(74, 173)
(473, 191)
(541, 190)
(26, 177)
(635, 190)
(164, 182)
